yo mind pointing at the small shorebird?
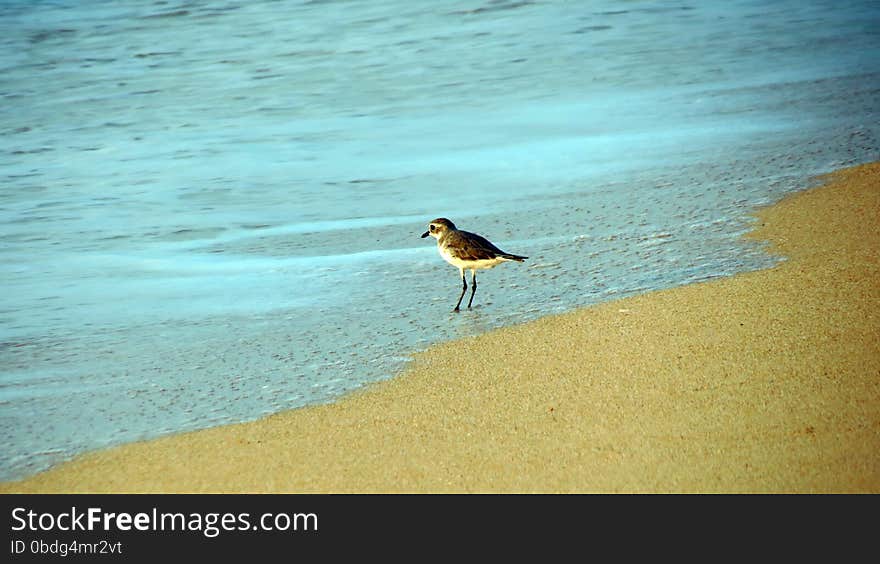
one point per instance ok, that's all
(466, 251)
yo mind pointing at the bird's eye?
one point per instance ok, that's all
(432, 228)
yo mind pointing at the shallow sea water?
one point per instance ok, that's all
(210, 211)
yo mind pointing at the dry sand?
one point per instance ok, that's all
(764, 382)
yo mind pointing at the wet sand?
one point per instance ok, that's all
(764, 382)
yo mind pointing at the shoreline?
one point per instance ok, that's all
(767, 381)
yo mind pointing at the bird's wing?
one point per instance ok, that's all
(470, 246)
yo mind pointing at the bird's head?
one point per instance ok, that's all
(438, 227)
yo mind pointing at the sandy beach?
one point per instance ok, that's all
(768, 381)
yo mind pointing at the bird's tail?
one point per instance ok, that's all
(517, 258)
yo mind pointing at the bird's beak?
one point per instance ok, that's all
(425, 234)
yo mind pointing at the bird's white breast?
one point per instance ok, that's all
(468, 264)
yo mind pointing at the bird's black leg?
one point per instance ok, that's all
(473, 287)
(463, 290)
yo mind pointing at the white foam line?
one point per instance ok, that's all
(300, 228)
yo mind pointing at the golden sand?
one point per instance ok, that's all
(764, 382)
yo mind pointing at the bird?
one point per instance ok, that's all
(466, 251)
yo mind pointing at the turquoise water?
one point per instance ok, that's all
(211, 211)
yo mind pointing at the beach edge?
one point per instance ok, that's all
(766, 381)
